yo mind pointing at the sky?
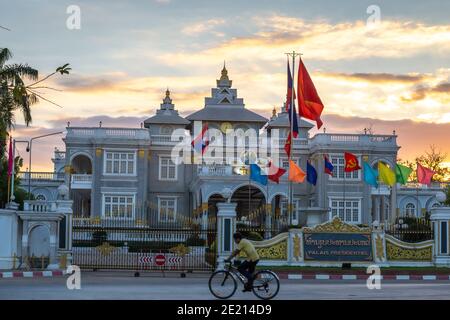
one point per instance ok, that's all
(391, 73)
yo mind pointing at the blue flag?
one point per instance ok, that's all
(289, 96)
(255, 174)
(328, 168)
(370, 175)
(311, 174)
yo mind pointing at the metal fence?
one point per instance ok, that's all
(262, 223)
(144, 244)
(411, 229)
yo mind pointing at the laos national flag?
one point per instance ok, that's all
(201, 141)
(311, 173)
(328, 166)
(290, 102)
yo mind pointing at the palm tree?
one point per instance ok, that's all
(14, 94)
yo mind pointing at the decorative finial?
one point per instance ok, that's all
(167, 99)
(274, 112)
(393, 132)
(100, 124)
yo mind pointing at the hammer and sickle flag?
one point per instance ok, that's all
(351, 162)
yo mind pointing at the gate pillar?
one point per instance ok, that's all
(226, 226)
(441, 226)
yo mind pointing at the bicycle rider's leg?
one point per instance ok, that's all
(251, 271)
(243, 268)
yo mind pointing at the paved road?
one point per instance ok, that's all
(122, 285)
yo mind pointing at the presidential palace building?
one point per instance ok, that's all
(122, 173)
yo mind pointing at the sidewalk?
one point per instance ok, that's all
(31, 274)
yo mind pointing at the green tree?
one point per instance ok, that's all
(433, 159)
(447, 193)
(16, 95)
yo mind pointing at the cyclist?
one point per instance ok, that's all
(247, 268)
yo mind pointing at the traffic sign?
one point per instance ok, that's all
(160, 260)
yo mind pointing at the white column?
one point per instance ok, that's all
(441, 225)
(226, 226)
(8, 239)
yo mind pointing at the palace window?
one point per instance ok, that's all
(348, 210)
(120, 163)
(119, 206)
(167, 209)
(167, 169)
(295, 208)
(410, 209)
(338, 171)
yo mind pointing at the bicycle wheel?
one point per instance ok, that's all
(222, 284)
(266, 284)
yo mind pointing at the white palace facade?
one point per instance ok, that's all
(122, 173)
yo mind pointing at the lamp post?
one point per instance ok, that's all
(29, 161)
(14, 165)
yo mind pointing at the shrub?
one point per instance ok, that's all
(99, 236)
(195, 240)
(255, 236)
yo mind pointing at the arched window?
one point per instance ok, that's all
(41, 197)
(410, 209)
(166, 130)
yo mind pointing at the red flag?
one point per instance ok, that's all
(351, 162)
(309, 104)
(275, 173)
(424, 175)
(287, 145)
(10, 158)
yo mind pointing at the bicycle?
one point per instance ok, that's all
(223, 283)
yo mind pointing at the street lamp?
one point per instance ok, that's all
(29, 163)
(12, 197)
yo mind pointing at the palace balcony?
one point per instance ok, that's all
(41, 177)
(81, 181)
(164, 140)
(359, 141)
(106, 133)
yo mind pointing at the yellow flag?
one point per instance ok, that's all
(296, 174)
(386, 175)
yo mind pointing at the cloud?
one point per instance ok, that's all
(423, 91)
(321, 40)
(379, 77)
(412, 144)
(203, 27)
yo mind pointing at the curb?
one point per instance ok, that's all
(401, 277)
(31, 274)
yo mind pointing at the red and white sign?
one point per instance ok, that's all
(145, 259)
(160, 260)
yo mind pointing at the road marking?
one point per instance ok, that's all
(429, 277)
(402, 277)
(349, 277)
(322, 276)
(28, 274)
(295, 276)
(7, 274)
(47, 273)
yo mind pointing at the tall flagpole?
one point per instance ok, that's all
(293, 54)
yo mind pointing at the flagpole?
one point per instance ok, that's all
(291, 123)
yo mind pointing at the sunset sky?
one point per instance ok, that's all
(394, 75)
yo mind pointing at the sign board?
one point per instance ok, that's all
(336, 240)
(338, 247)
